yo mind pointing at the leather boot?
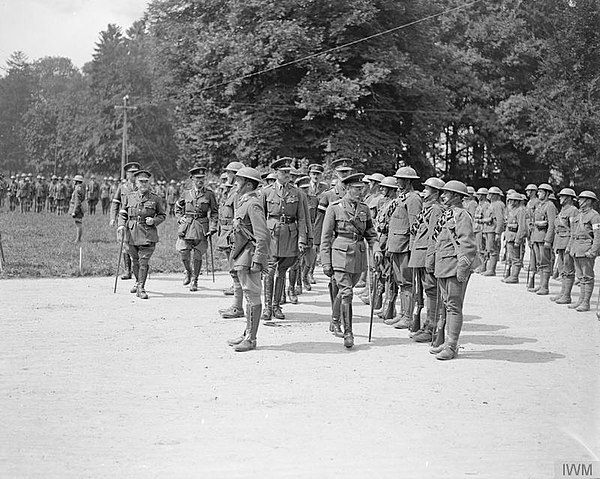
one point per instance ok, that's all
(291, 289)
(507, 273)
(587, 296)
(562, 290)
(249, 341)
(449, 351)
(141, 291)
(378, 295)
(389, 307)
(335, 327)
(347, 321)
(450, 348)
(195, 273)
(544, 279)
(283, 292)
(134, 288)
(568, 287)
(239, 339)
(268, 291)
(580, 299)
(514, 275)
(406, 302)
(188, 271)
(531, 284)
(491, 269)
(425, 334)
(127, 264)
(277, 291)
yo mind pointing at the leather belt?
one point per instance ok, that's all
(352, 236)
(284, 219)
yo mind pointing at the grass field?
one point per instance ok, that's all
(41, 245)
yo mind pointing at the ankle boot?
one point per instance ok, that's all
(449, 351)
(347, 322)
(562, 290)
(568, 287)
(580, 299)
(134, 288)
(544, 279)
(335, 327)
(127, 263)
(249, 341)
(188, 271)
(406, 310)
(514, 275)
(239, 339)
(587, 296)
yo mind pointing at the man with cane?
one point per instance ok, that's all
(346, 225)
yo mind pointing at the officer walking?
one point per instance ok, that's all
(250, 253)
(286, 219)
(141, 212)
(76, 206)
(346, 225)
(197, 214)
(124, 189)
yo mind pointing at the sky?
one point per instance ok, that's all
(67, 28)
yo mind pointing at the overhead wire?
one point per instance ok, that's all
(340, 47)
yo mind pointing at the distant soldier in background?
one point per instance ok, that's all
(13, 187)
(23, 193)
(61, 196)
(197, 212)
(128, 186)
(52, 190)
(562, 235)
(105, 195)
(76, 206)
(172, 194)
(92, 194)
(543, 236)
(40, 192)
(140, 213)
(3, 188)
(584, 246)
(493, 227)
(532, 204)
(470, 203)
(481, 211)
(516, 233)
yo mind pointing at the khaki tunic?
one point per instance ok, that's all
(134, 211)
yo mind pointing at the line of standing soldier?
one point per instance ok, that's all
(565, 241)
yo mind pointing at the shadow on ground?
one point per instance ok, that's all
(512, 355)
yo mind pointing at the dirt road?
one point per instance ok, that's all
(101, 385)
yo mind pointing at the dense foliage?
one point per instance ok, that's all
(504, 92)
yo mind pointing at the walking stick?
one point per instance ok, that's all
(598, 303)
(2, 260)
(212, 258)
(119, 261)
(372, 300)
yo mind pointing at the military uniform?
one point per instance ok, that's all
(197, 214)
(493, 227)
(343, 250)
(250, 245)
(93, 195)
(105, 196)
(422, 230)
(565, 262)
(285, 211)
(76, 203)
(481, 212)
(405, 210)
(584, 246)
(171, 197)
(314, 191)
(516, 233)
(452, 256)
(141, 237)
(532, 204)
(542, 237)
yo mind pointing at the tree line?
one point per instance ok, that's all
(504, 92)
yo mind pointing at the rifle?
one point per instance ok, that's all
(436, 320)
(212, 258)
(597, 304)
(119, 261)
(371, 291)
(2, 259)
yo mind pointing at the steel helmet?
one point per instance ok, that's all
(494, 190)
(234, 166)
(366, 178)
(456, 186)
(389, 182)
(531, 186)
(482, 191)
(546, 187)
(377, 177)
(406, 172)
(513, 196)
(567, 192)
(249, 173)
(78, 178)
(434, 183)
(471, 190)
(510, 190)
(588, 194)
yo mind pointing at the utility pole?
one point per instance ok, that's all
(124, 107)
